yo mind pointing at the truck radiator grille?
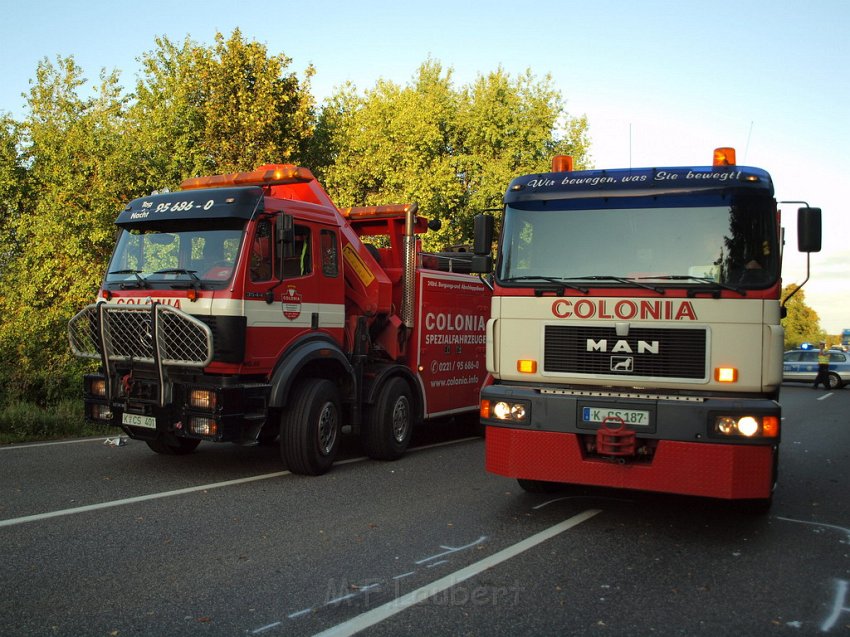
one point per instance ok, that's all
(658, 352)
(141, 333)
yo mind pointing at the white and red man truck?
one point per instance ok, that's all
(247, 307)
(635, 338)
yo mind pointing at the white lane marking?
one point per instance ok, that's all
(379, 614)
(838, 606)
(50, 444)
(825, 396)
(451, 549)
(265, 628)
(140, 498)
(822, 524)
(167, 494)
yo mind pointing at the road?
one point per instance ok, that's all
(113, 541)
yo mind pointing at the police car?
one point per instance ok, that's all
(802, 365)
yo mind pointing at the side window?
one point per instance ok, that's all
(261, 253)
(330, 262)
(298, 256)
(810, 356)
(836, 357)
(791, 357)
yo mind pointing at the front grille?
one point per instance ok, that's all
(657, 352)
(129, 331)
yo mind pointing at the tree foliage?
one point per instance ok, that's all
(82, 152)
(802, 324)
(61, 231)
(453, 151)
(12, 189)
(230, 107)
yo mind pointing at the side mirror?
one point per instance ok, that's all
(285, 229)
(483, 234)
(482, 260)
(809, 229)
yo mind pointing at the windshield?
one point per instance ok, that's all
(185, 253)
(721, 244)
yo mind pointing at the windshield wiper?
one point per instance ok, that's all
(196, 283)
(191, 273)
(698, 279)
(620, 279)
(559, 283)
(141, 282)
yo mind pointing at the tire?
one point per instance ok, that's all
(539, 486)
(835, 381)
(388, 425)
(310, 427)
(169, 445)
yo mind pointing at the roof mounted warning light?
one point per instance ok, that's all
(724, 157)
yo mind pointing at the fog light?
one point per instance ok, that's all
(725, 425)
(100, 412)
(203, 399)
(203, 426)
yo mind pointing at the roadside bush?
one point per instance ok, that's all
(24, 421)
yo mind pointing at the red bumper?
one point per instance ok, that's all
(703, 469)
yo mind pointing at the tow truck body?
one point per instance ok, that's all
(246, 308)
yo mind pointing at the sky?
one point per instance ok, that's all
(662, 83)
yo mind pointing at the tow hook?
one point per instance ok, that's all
(614, 439)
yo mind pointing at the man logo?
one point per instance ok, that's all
(622, 364)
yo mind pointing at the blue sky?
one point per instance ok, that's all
(661, 83)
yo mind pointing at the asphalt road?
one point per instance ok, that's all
(113, 541)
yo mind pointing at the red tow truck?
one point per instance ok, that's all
(247, 307)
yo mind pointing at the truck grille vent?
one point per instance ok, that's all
(129, 332)
(659, 352)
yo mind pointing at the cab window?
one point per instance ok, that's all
(297, 256)
(261, 253)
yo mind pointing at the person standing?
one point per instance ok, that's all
(823, 367)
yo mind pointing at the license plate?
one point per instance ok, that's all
(630, 416)
(137, 420)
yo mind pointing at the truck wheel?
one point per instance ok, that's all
(169, 445)
(388, 425)
(310, 427)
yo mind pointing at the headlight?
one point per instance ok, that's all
(506, 411)
(749, 426)
(97, 387)
(202, 399)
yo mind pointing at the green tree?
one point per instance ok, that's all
(71, 149)
(802, 324)
(13, 188)
(205, 110)
(452, 151)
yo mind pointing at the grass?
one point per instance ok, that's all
(27, 422)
